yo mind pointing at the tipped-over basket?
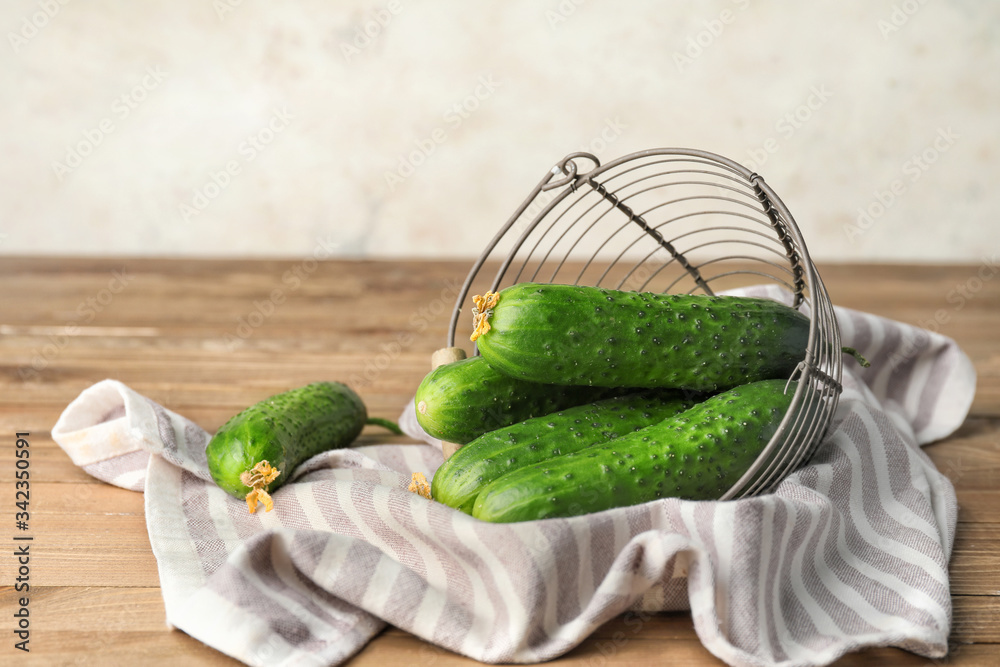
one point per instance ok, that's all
(681, 221)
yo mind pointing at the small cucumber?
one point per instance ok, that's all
(576, 335)
(257, 450)
(460, 401)
(460, 478)
(698, 454)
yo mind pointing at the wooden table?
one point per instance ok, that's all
(171, 329)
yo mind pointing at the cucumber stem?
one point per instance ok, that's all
(385, 423)
(857, 356)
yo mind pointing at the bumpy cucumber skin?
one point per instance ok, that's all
(461, 477)
(285, 430)
(697, 455)
(570, 334)
(460, 401)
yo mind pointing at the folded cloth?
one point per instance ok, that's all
(848, 552)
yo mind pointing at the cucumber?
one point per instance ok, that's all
(576, 335)
(256, 450)
(460, 478)
(698, 455)
(460, 401)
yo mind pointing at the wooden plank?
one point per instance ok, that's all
(93, 608)
(975, 560)
(228, 385)
(975, 619)
(65, 500)
(89, 550)
(978, 507)
(154, 648)
(978, 655)
(971, 457)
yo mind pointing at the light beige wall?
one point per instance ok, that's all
(286, 130)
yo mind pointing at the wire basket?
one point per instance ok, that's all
(681, 221)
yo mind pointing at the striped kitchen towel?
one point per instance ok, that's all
(850, 551)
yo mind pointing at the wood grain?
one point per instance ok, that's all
(180, 331)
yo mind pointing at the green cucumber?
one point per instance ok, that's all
(460, 401)
(698, 455)
(576, 335)
(460, 478)
(256, 451)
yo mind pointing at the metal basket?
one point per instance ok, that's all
(675, 220)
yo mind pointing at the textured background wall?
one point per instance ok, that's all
(397, 128)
